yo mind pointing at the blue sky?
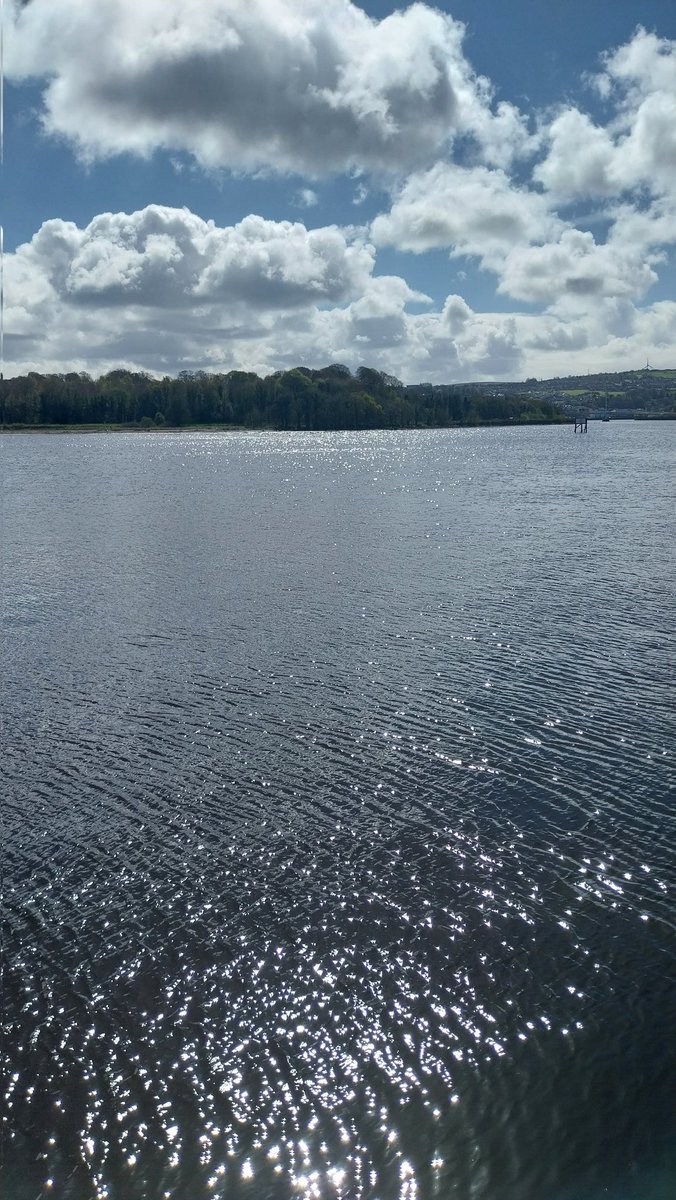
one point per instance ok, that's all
(476, 189)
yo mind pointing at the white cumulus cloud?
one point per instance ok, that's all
(575, 267)
(167, 257)
(636, 148)
(162, 290)
(576, 219)
(160, 283)
(470, 210)
(291, 85)
(311, 86)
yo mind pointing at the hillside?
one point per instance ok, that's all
(648, 392)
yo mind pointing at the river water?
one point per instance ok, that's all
(339, 822)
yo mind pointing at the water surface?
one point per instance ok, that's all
(339, 829)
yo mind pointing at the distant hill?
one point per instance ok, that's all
(648, 393)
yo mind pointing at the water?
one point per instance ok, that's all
(338, 815)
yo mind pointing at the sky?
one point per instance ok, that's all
(479, 189)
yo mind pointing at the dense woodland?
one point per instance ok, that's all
(329, 398)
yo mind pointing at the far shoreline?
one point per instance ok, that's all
(162, 429)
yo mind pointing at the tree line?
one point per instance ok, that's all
(329, 398)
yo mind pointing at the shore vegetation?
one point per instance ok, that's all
(331, 397)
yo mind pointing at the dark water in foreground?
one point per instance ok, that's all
(338, 823)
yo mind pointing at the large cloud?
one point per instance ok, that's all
(637, 147)
(512, 231)
(522, 232)
(290, 85)
(162, 290)
(160, 285)
(316, 86)
(471, 210)
(167, 257)
(577, 269)
(156, 285)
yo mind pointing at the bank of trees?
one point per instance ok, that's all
(329, 398)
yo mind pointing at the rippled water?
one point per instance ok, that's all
(338, 818)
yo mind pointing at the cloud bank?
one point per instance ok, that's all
(161, 289)
(571, 216)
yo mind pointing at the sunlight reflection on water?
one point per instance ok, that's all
(338, 835)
